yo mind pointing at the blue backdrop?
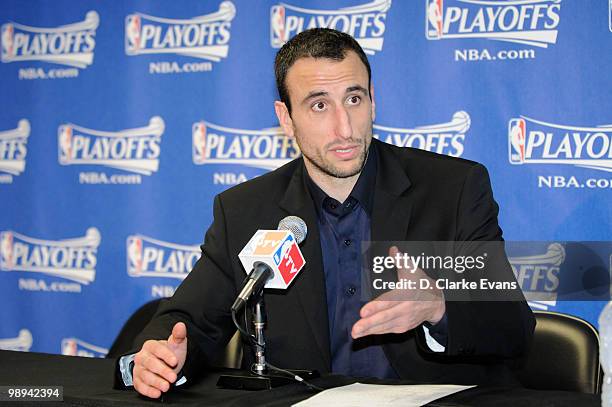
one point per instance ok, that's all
(122, 120)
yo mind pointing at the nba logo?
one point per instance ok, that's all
(6, 250)
(433, 23)
(198, 133)
(278, 34)
(7, 41)
(516, 141)
(283, 250)
(65, 142)
(132, 33)
(134, 255)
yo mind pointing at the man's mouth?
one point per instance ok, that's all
(346, 152)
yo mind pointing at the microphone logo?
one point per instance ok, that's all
(288, 259)
(279, 250)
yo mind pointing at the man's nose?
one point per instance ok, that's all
(343, 127)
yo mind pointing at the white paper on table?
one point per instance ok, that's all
(359, 394)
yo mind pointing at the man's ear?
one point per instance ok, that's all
(373, 103)
(284, 118)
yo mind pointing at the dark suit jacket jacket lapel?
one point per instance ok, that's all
(311, 290)
(391, 211)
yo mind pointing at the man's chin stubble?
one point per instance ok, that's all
(332, 172)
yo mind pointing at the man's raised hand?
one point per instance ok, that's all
(158, 363)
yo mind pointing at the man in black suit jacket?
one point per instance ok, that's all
(327, 104)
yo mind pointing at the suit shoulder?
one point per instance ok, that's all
(418, 161)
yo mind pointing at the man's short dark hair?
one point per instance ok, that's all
(314, 43)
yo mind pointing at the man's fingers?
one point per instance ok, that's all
(404, 316)
(395, 325)
(145, 389)
(158, 358)
(365, 325)
(401, 266)
(393, 250)
(376, 305)
(405, 268)
(382, 316)
(150, 379)
(153, 364)
(157, 350)
(179, 332)
(164, 353)
(154, 381)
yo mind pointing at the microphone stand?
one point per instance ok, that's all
(259, 322)
(259, 378)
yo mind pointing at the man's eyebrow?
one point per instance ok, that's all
(357, 88)
(316, 94)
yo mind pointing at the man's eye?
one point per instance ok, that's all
(353, 100)
(318, 107)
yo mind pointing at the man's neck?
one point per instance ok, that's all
(337, 188)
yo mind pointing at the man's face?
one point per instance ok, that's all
(331, 116)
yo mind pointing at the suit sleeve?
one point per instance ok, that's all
(202, 302)
(490, 325)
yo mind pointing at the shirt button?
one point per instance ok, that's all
(333, 205)
(347, 242)
(351, 290)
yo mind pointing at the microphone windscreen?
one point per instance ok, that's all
(295, 225)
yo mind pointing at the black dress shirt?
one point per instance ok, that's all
(342, 228)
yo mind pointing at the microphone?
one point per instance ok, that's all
(296, 225)
(274, 258)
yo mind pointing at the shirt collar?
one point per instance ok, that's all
(363, 191)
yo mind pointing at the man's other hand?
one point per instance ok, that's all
(398, 311)
(158, 363)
